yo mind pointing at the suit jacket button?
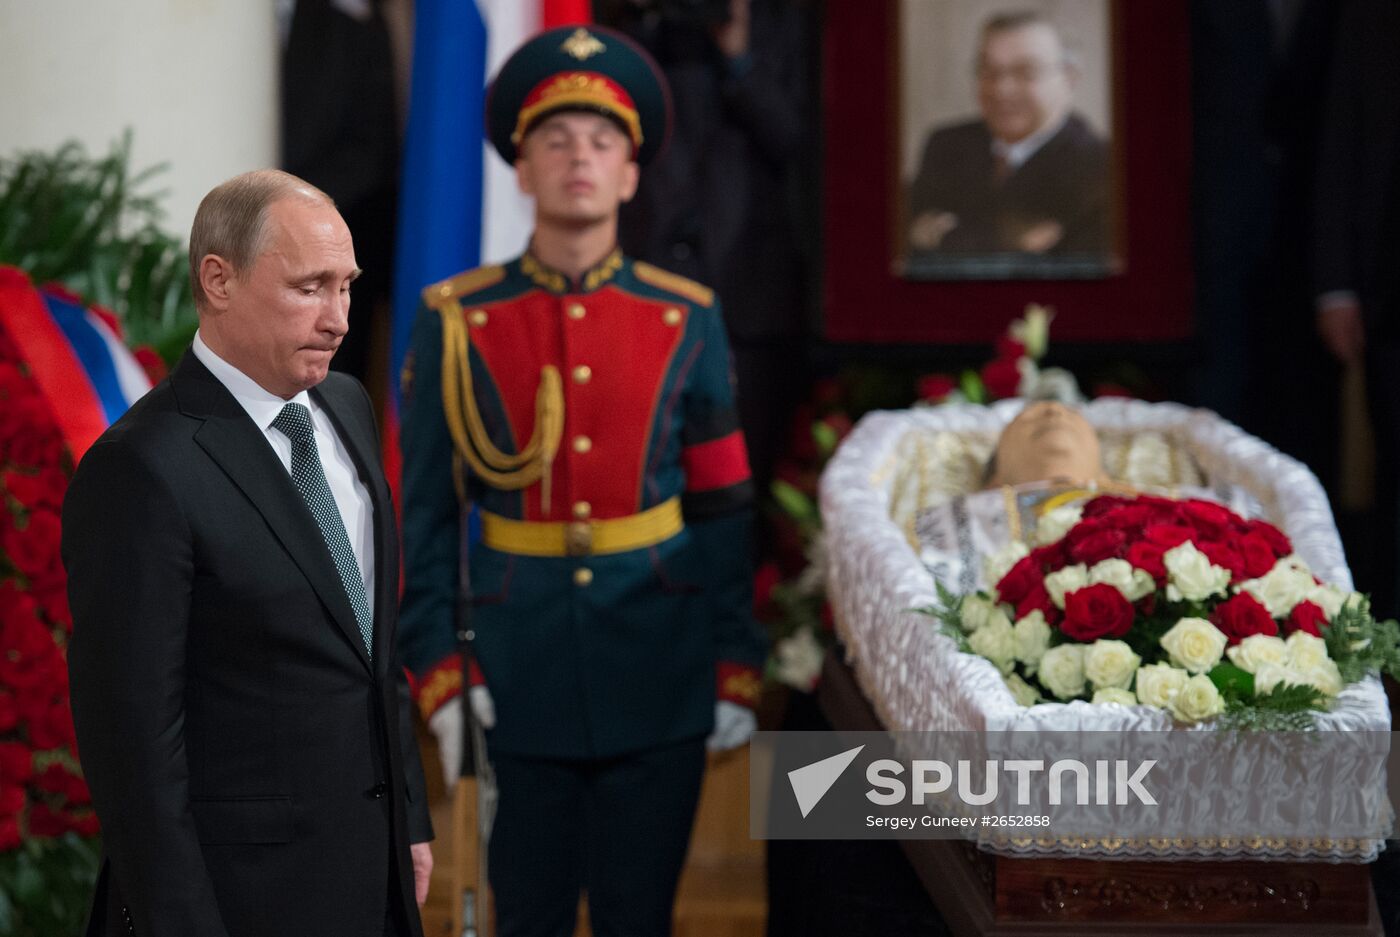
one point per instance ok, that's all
(376, 792)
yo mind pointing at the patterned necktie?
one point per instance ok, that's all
(294, 422)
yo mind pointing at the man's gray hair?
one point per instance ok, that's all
(231, 221)
(1021, 19)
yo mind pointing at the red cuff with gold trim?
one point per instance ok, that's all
(717, 463)
(738, 683)
(442, 683)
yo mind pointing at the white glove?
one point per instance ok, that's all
(446, 725)
(733, 726)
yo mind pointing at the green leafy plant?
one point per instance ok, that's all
(94, 225)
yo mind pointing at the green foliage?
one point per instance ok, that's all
(948, 614)
(970, 383)
(1360, 644)
(1234, 683)
(46, 885)
(94, 226)
(1287, 708)
(799, 507)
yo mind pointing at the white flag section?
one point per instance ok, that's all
(507, 216)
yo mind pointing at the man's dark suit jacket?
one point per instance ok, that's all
(254, 771)
(1066, 181)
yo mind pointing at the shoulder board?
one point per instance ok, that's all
(673, 282)
(463, 284)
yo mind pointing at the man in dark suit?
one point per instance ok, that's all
(233, 572)
(1031, 176)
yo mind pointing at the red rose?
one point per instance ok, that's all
(764, 580)
(1147, 557)
(1240, 616)
(1306, 616)
(53, 602)
(9, 715)
(46, 823)
(77, 791)
(1099, 545)
(1224, 556)
(1038, 600)
(1019, 581)
(40, 445)
(1207, 517)
(1050, 557)
(839, 423)
(1007, 347)
(53, 779)
(1002, 377)
(16, 762)
(53, 729)
(1256, 554)
(1275, 538)
(34, 550)
(32, 490)
(1167, 535)
(12, 798)
(1131, 518)
(9, 834)
(935, 387)
(1097, 611)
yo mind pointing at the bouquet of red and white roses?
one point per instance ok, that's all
(1182, 605)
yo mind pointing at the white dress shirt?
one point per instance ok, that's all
(1017, 153)
(351, 495)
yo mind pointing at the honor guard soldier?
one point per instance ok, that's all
(584, 404)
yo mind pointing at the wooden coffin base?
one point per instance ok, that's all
(983, 895)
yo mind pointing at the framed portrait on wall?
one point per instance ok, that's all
(981, 155)
(1006, 148)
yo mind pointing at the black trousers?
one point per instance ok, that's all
(616, 828)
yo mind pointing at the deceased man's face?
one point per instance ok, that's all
(1023, 81)
(1048, 441)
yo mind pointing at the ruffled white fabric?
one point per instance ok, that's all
(896, 463)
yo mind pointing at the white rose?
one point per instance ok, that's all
(1055, 523)
(1062, 670)
(1120, 574)
(1270, 676)
(1258, 649)
(1305, 651)
(1325, 676)
(977, 610)
(1021, 691)
(1191, 575)
(1158, 684)
(996, 642)
(1198, 699)
(999, 563)
(1110, 665)
(1066, 580)
(799, 659)
(1032, 330)
(1295, 562)
(1280, 588)
(1115, 695)
(1032, 639)
(1195, 644)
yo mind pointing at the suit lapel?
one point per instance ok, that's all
(361, 442)
(239, 447)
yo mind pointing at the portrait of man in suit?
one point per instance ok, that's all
(1029, 178)
(233, 571)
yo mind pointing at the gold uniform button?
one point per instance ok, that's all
(445, 290)
(583, 576)
(671, 316)
(582, 374)
(576, 311)
(582, 510)
(477, 317)
(582, 444)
